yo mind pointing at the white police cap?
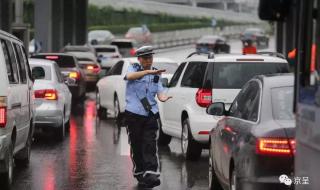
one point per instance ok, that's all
(144, 51)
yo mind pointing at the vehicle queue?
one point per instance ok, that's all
(251, 114)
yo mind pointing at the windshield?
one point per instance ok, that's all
(235, 75)
(282, 103)
(108, 50)
(62, 61)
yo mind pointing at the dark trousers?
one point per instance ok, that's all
(142, 132)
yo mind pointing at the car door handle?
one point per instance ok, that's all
(16, 105)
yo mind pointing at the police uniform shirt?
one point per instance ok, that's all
(148, 86)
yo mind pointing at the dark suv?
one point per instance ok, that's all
(70, 69)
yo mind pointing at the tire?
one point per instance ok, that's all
(6, 176)
(190, 148)
(101, 112)
(67, 125)
(213, 180)
(61, 131)
(164, 139)
(22, 159)
(233, 180)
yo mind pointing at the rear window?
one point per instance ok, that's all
(62, 61)
(110, 50)
(282, 103)
(122, 44)
(169, 67)
(235, 75)
(47, 71)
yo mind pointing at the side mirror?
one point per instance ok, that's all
(217, 109)
(274, 10)
(38, 73)
(69, 81)
(165, 82)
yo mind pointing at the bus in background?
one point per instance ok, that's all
(305, 16)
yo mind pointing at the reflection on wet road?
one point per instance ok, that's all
(95, 155)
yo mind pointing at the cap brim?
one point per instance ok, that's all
(145, 54)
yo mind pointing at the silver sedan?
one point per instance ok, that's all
(52, 97)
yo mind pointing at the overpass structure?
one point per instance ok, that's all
(216, 4)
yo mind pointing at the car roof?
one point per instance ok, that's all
(104, 46)
(8, 35)
(276, 80)
(155, 59)
(58, 54)
(42, 62)
(237, 58)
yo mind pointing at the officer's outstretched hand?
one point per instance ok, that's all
(163, 97)
(155, 72)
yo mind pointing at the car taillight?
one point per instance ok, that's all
(48, 94)
(94, 68)
(204, 97)
(3, 111)
(132, 52)
(74, 75)
(275, 146)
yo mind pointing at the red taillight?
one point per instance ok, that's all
(275, 146)
(94, 68)
(3, 117)
(132, 52)
(48, 94)
(204, 97)
(74, 75)
(203, 133)
(52, 57)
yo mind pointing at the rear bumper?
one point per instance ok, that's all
(92, 78)
(48, 115)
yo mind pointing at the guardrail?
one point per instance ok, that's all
(190, 36)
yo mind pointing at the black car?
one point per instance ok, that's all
(254, 143)
(216, 44)
(257, 36)
(70, 69)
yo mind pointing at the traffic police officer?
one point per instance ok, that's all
(143, 83)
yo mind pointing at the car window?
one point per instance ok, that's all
(21, 64)
(62, 61)
(235, 75)
(194, 74)
(11, 64)
(169, 67)
(47, 71)
(246, 104)
(282, 103)
(116, 69)
(176, 75)
(109, 50)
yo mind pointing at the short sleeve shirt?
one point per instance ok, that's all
(147, 86)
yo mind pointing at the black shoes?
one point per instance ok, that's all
(149, 181)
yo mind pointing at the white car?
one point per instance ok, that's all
(16, 107)
(107, 55)
(52, 97)
(199, 81)
(111, 89)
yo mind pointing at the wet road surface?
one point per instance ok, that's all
(95, 156)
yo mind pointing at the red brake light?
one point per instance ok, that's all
(48, 94)
(94, 68)
(204, 97)
(275, 146)
(90, 67)
(74, 75)
(3, 117)
(132, 52)
(52, 57)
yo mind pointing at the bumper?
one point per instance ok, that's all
(92, 77)
(201, 125)
(48, 114)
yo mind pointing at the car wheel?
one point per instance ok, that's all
(61, 132)
(213, 180)
(233, 180)
(116, 108)
(102, 112)
(164, 139)
(6, 176)
(23, 157)
(190, 148)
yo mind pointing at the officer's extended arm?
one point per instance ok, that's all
(140, 74)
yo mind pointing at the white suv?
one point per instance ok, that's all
(199, 81)
(16, 107)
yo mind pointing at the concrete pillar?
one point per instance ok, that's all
(5, 15)
(81, 22)
(49, 24)
(69, 22)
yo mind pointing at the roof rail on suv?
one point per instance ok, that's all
(276, 54)
(210, 54)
